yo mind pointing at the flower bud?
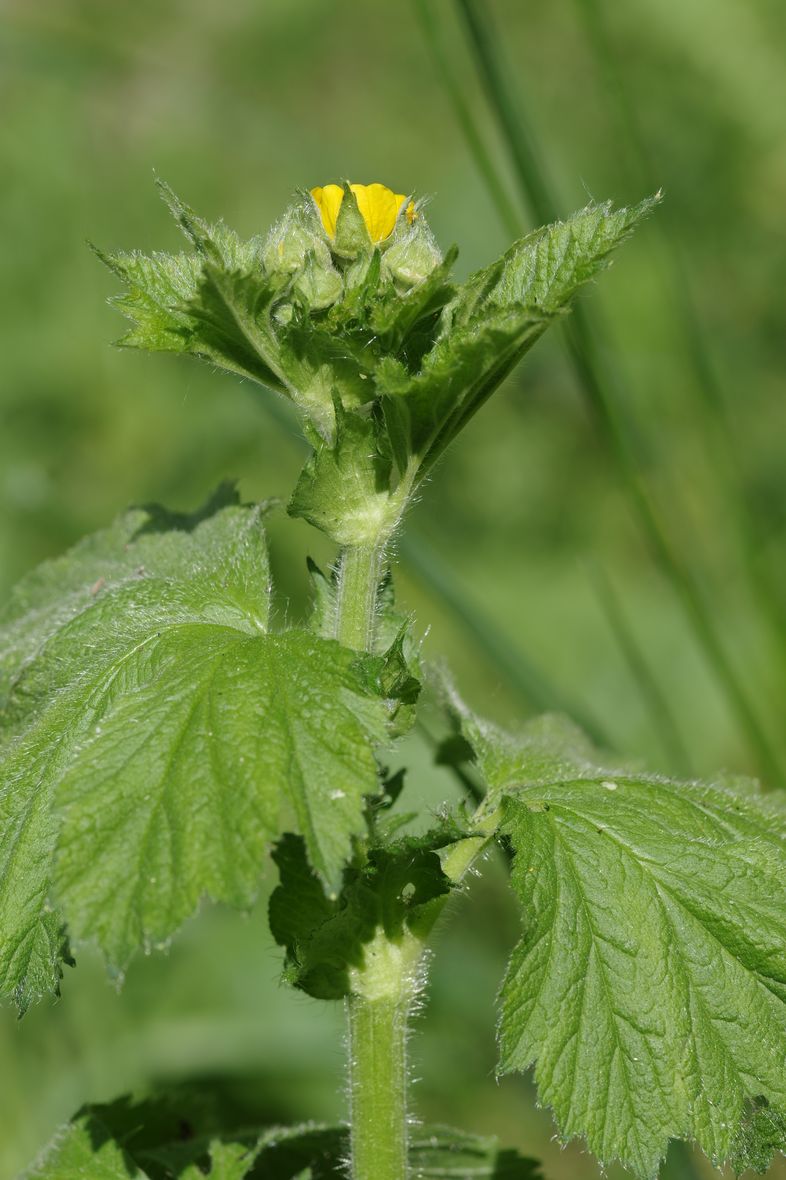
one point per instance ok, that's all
(413, 255)
(296, 246)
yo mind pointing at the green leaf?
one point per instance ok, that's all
(165, 1138)
(86, 1149)
(144, 542)
(160, 738)
(229, 318)
(170, 1135)
(392, 891)
(761, 1137)
(496, 317)
(405, 325)
(547, 267)
(158, 288)
(649, 987)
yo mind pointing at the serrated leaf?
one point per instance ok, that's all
(548, 266)
(229, 324)
(84, 1148)
(649, 987)
(214, 303)
(147, 1142)
(494, 318)
(161, 737)
(144, 542)
(158, 288)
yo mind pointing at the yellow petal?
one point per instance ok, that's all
(328, 201)
(379, 207)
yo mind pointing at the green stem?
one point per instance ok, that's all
(382, 990)
(378, 1013)
(378, 1088)
(359, 575)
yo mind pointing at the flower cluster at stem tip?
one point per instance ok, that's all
(327, 238)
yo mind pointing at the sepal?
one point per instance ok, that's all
(352, 238)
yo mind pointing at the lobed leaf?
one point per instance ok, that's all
(649, 987)
(158, 737)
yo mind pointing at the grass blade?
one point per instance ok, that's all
(697, 348)
(660, 709)
(529, 682)
(598, 386)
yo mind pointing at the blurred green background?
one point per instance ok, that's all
(530, 558)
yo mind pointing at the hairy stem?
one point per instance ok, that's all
(378, 1089)
(359, 575)
(378, 1012)
(382, 990)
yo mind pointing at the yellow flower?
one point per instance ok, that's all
(379, 207)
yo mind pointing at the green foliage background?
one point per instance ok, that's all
(525, 519)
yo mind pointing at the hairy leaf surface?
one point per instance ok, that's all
(649, 987)
(496, 317)
(158, 737)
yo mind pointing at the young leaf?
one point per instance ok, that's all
(157, 289)
(649, 987)
(496, 316)
(229, 324)
(160, 737)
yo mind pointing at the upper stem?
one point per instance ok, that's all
(381, 991)
(359, 575)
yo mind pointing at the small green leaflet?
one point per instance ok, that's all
(158, 737)
(145, 1141)
(649, 987)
